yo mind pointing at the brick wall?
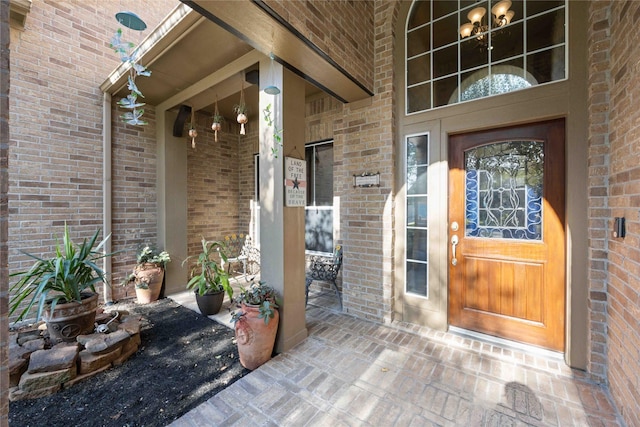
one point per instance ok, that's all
(598, 180)
(623, 280)
(212, 184)
(340, 28)
(4, 214)
(58, 62)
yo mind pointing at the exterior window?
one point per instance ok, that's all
(319, 210)
(417, 232)
(458, 51)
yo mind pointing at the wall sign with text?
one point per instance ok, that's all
(295, 182)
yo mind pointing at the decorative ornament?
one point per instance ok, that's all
(193, 133)
(241, 109)
(217, 121)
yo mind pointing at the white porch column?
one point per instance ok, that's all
(281, 228)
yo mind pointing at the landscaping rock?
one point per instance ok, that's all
(16, 393)
(130, 324)
(58, 358)
(82, 377)
(40, 380)
(90, 362)
(128, 349)
(17, 366)
(28, 335)
(24, 351)
(103, 343)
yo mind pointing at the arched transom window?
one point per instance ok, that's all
(460, 50)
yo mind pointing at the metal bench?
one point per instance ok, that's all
(325, 269)
(239, 249)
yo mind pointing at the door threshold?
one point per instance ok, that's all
(513, 345)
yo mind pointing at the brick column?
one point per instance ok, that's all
(4, 211)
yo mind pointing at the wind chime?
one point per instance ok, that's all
(193, 133)
(217, 121)
(241, 108)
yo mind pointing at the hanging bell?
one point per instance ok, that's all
(193, 134)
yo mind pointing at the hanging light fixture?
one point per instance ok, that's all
(476, 27)
(272, 89)
(217, 121)
(193, 133)
(241, 108)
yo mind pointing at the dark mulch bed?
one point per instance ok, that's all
(184, 359)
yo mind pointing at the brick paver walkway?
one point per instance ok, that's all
(351, 372)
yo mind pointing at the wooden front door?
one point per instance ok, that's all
(506, 233)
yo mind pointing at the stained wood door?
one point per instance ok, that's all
(506, 233)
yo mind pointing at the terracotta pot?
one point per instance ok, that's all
(211, 303)
(152, 275)
(255, 339)
(71, 319)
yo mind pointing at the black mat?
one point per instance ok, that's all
(184, 359)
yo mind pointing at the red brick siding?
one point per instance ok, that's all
(4, 211)
(615, 22)
(341, 29)
(58, 62)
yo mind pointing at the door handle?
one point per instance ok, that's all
(454, 243)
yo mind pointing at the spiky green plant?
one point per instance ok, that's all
(64, 277)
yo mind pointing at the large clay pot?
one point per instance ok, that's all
(210, 304)
(255, 339)
(152, 275)
(71, 319)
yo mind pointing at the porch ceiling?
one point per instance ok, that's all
(194, 58)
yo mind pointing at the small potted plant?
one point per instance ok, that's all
(63, 287)
(216, 126)
(208, 279)
(241, 111)
(256, 323)
(148, 273)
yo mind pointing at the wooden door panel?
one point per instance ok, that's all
(508, 276)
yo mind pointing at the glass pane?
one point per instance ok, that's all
(416, 278)
(419, 69)
(539, 6)
(473, 54)
(419, 98)
(548, 65)
(417, 211)
(417, 150)
(507, 42)
(545, 30)
(443, 7)
(470, 89)
(417, 180)
(445, 31)
(318, 233)
(444, 90)
(503, 190)
(421, 14)
(416, 245)
(445, 61)
(418, 41)
(324, 175)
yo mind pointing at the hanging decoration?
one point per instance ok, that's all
(193, 133)
(241, 108)
(217, 121)
(271, 89)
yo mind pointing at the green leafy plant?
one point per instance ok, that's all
(207, 276)
(277, 133)
(150, 254)
(71, 271)
(260, 294)
(240, 108)
(129, 56)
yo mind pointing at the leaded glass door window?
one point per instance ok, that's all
(503, 190)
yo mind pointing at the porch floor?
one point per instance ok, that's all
(352, 372)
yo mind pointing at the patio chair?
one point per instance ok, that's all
(239, 249)
(325, 269)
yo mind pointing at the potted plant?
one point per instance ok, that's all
(216, 126)
(208, 279)
(241, 111)
(256, 323)
(148, 273)
(63, 286)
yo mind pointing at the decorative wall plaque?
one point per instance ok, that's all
(367, 180)
(295, 182)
